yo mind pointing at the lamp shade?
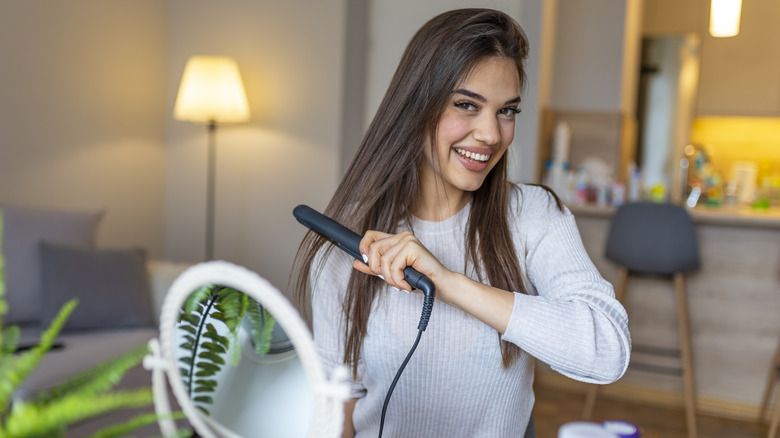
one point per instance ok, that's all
(211, 91)
(724, 17)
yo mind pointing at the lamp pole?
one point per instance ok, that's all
(210, 191)
(210, 91)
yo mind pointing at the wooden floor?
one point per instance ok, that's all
(555, 407)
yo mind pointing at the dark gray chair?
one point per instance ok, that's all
(657, 239)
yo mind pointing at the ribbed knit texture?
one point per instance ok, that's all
(454, 385)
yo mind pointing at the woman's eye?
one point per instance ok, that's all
(466, 105)
(510, 112)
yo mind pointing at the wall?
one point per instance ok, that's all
(740, 75)
(538, 18)
(87, 95)
(673, 17)
(589, 55)
(82, 98)
(291, 55)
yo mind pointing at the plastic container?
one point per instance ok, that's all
(607, 429)
(622, 429)
(584, 429)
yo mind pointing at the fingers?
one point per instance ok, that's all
(387, 255)
(362, 267)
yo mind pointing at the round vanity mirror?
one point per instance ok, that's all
(240, 361)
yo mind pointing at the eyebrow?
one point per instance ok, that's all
(481, 98)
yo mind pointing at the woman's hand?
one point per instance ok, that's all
(387, 255)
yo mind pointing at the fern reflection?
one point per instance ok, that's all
(208, 325)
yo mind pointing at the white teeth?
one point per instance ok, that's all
(472, 155)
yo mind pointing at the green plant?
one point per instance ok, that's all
(87, 395)
(205, 347)
(84, 396)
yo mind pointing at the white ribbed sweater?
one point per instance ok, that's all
(454, 385)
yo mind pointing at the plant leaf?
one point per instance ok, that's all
(29, 420)
(10, 340)
(19, 367)
(135, 423)
(261, 324)
(101, 377)
(196, 298)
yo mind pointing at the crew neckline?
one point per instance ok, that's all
(422, 225)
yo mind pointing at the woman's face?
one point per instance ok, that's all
(477, 126)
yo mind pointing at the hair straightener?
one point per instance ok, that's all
(349, 242)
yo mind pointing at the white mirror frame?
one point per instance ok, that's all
(329, 395)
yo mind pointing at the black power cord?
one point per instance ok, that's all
(426, 314)
(395, 380)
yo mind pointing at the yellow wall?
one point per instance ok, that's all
(730, 139)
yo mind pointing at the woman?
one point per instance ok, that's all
(428, 188)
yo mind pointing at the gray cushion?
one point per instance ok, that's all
(24, 228)
(112, 286)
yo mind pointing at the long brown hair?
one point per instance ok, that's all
(377, 194)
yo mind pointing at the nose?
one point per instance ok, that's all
(486, 130)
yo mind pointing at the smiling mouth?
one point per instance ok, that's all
(477, 158)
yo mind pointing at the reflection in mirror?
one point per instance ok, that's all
(240, 360)
(239, 367)
(665, 108)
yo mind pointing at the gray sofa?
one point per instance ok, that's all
(50, 257)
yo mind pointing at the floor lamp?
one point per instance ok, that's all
(211, 92)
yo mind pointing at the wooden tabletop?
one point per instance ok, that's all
(740, 216)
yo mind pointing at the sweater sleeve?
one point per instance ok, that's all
(574, 324)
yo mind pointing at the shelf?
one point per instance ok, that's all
(729, 216)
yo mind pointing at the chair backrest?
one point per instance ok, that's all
(653, 238)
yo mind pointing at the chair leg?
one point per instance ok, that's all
(593, 389)
(590, 401)
(775, 418)
(770, 384)
(686, 353)
(620, 284)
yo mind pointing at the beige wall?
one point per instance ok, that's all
(589, 55)
(82, 99)
(87, 90)
(291, 55)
